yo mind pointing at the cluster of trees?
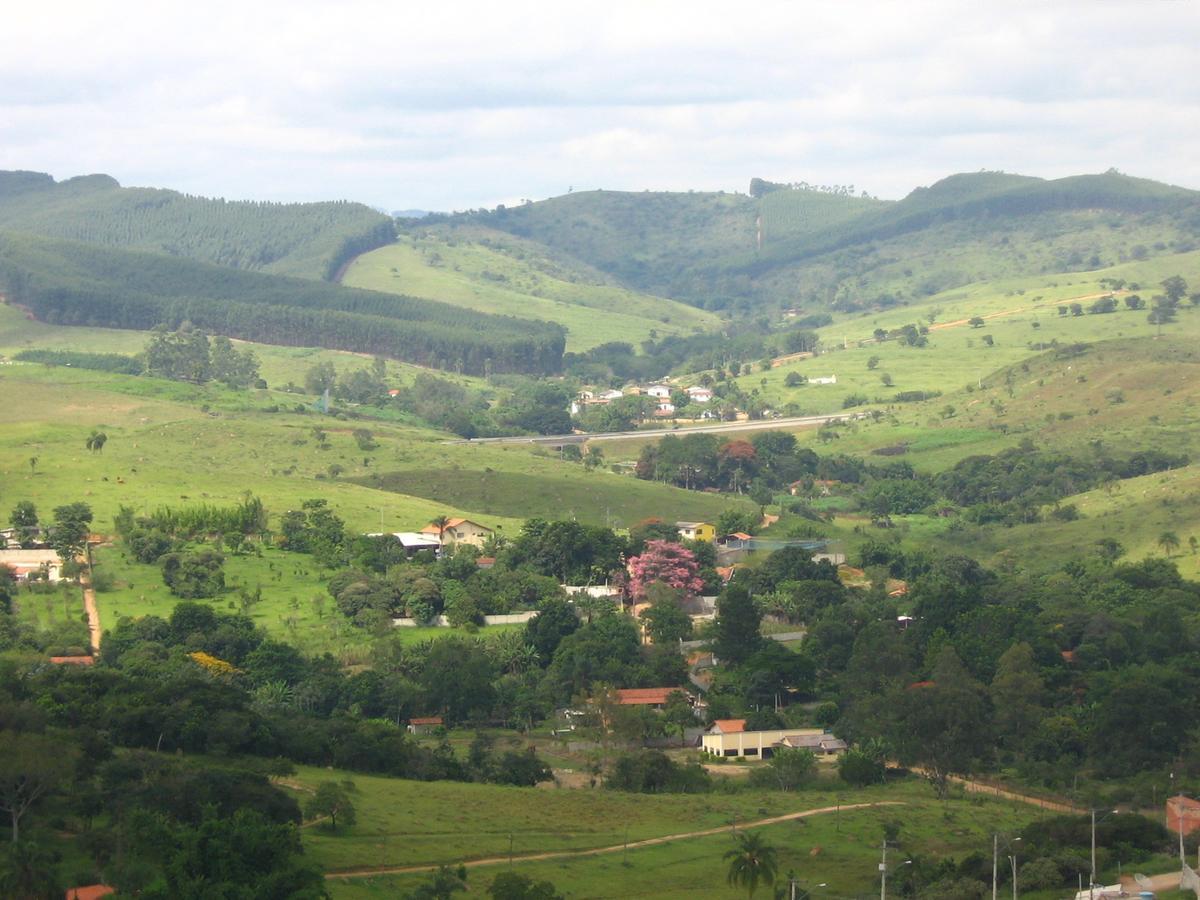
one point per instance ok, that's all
(187, 354)
(381, 581)
(78, 359)
(769, 460)
(733, 351)
(74, 284)
(1045, 674)
(1010, 486)
(66, 533)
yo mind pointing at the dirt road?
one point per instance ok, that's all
(615, 848)
(93, 611)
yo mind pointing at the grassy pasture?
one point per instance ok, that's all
(405, 823)
(278, 365)
(514, 279)
(530, 486)
(956, 356)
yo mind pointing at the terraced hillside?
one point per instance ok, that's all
(495, 272)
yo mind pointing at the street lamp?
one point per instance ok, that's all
(1011, 845)
(1092, 877)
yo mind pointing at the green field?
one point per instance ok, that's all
(279, 365)
(413, 824)
(1025, 313)
(533, 486)
(493, 272)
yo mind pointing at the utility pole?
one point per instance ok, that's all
(995, 848)
(1013, 860)
(1092, 877)
(883, 873)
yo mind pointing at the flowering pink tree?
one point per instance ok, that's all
(665, 562)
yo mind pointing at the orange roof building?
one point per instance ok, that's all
(90, 892)
(459, 531)
(1183, 812)
(645, 696)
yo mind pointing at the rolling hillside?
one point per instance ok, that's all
(495, 272)
(309, 240)
(819, 247)
(64, 282)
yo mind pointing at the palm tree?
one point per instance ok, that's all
(1169, 542)
(750, 862)
(440, 524)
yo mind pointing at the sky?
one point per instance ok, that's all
(456, 105)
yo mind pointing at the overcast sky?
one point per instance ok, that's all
(448, 105)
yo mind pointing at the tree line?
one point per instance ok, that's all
(70, 284)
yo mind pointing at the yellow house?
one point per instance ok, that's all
(460, 531)
(729, 737)
(697, 531)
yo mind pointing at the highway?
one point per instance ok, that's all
(717, 428)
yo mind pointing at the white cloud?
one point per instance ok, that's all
(456, 104)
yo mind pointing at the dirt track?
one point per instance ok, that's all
(615, 848)
(93, 613)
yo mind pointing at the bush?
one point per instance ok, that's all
(194, 575)
(858, 769)
(1041, 874)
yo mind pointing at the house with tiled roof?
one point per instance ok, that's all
(655, 698)
(459, 531)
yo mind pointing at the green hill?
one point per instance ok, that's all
(818, 246)
(64, 282)
(310, 240)
(496, 272)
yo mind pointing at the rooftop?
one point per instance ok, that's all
(645, 696)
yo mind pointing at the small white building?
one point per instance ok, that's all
(729, 738)
(699, 394)
(823, 379)
(659, 391)
(32, 565)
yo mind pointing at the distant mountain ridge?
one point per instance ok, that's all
(309, 240)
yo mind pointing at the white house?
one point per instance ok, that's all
(729, 737)
(659, 391)
(32, 564)
(612, 394)
(699, 394)
(823, 379)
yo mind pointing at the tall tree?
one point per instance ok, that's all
(331, 801)
(736, 626)
(943, 724)
(664, 562)
(1017, 692)
(1169, 542)
(31, 766)
(70, 531)
(24, 520)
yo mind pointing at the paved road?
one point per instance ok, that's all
(755, 425)
(615, 848)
